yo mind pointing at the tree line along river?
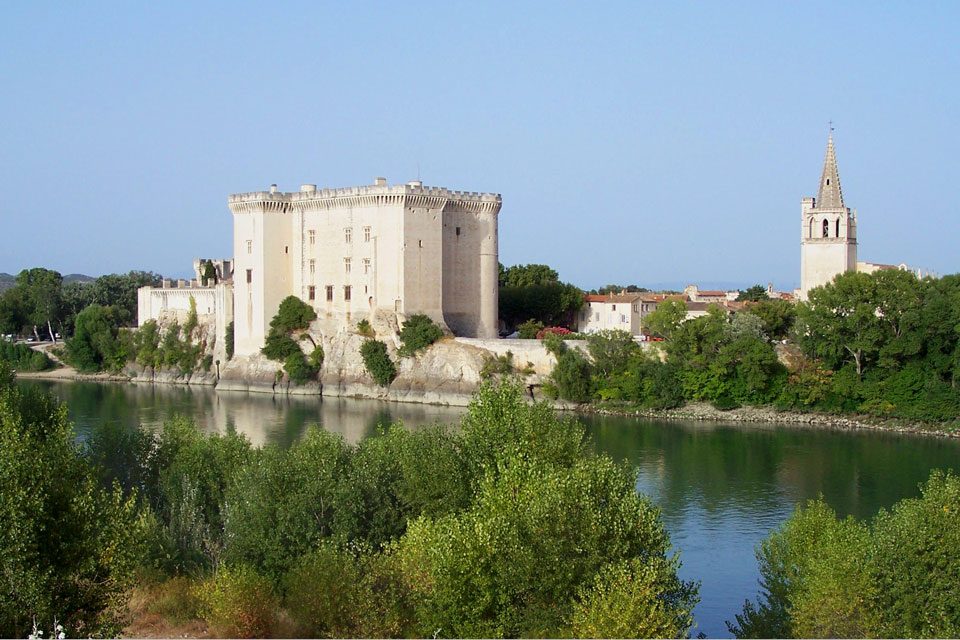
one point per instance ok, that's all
(721, 486)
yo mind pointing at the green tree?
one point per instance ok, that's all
(840, 322)
(513, 564)
(756, 293)
(777, 316)
(665, 319)
(209, 273)
(95, 344)
(68, 547)
(526, 275)
(42, 291)
(610, 350)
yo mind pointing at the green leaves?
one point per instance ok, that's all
(377, 362)
(418, 333)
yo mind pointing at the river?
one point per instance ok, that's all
(721, 486)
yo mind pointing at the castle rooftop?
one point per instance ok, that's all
(310, 192)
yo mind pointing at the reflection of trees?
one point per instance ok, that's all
(757, 469)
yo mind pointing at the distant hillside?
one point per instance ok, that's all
(7, 281)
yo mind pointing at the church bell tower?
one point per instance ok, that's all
(828, 234)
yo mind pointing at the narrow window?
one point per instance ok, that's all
(286, 249)
(366, 234)
(837, 235)
(346, 265)
(614, 307)
(828, 182)
(313, 266)
(346, 293)
(329, 293)
(249, 246)
(458, 230)
(826, 229)
(312, 293)
(249, 276)
(348, 235)
(313, 236)
(366, 265)
(421, 243)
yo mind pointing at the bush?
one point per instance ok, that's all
(292, 315)
(364, 329)
(23, 358)
(68, 547)
(529, 329)
(176, 600)
(228, 340)
(377, 362)
(556, 331)
(279, 347)
(239, 603)
(418, 332)
(324, 595)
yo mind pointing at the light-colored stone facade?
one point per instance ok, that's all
(352, 252)
(828, 231)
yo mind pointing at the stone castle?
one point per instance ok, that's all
(353, 252)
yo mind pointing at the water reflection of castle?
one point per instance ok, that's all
(268, 419)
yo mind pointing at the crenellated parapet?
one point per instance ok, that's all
(412, 194)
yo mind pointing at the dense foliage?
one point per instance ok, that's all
(509, 525)
(377, 362)
(22, 358)
(294, 315)
(418, 333)
(895, 577)
(68, 546)
(40, 301)
(534, 293)
(97, 341)
(890, 342)
(885, 343)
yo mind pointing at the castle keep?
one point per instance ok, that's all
(351, 252)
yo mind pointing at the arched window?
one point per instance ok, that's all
(810, 233)
(826, 229)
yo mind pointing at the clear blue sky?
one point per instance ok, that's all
(633, 142)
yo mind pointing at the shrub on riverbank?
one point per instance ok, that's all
(895, 577)
(418, 333)
(22, 358)
(69, 547)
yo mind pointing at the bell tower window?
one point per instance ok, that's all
(826, 229)
(838, 229)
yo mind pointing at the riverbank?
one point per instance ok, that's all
(697, 411)
(703, 411)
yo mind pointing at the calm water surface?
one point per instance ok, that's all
(721, 487)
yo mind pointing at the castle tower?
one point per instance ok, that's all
(828, 233)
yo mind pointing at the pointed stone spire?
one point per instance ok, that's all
(830, 196)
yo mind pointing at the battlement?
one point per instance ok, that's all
(275, 200)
